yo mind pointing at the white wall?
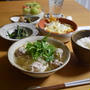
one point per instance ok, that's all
(85, 3)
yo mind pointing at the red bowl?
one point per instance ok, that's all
(63, 37)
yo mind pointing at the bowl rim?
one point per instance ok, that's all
(54, 70)
(55, 33)
(75, 41)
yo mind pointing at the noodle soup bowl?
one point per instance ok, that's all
(16, 45)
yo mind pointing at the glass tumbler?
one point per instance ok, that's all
(55, 6)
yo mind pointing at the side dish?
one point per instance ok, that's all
(28, 19)
(54, 25)
(39, 56)
(20, 32)
(57, 27)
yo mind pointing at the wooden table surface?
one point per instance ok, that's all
(12, 79)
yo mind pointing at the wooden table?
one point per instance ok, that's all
(12, 79)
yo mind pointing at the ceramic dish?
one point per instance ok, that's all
(11, 28)
(65, 56)
(16, 19)
(82, 53)
(62, 37)
(58, 16)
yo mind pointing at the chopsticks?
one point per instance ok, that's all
(66, 85)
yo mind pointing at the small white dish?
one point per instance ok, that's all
(36, 21)
(41, 15)
(83, 28)
(59, 16)
(15, 19)
(55, 15)
(69, 17)
(11, 27)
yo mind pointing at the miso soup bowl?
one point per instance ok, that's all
(12, 49)
(82, 53)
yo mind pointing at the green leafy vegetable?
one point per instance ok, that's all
(41, 48)
(20, 33)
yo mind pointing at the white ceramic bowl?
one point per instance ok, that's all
(11, 27)
(11, 56)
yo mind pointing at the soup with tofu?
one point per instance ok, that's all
(39, 56)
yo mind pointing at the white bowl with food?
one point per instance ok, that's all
(17, 31)
(25, 19)
(38, 56)
(58, 28)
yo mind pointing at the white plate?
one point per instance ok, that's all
(83, 28)
(11, 27)
(16, 18)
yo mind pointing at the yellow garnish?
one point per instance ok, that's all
(52, 18)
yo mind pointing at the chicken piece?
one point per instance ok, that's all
(59, 52)
(38, 67)
(56, 63)
(42, 61)
(20, 51)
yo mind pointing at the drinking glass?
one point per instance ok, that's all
(55, 6)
